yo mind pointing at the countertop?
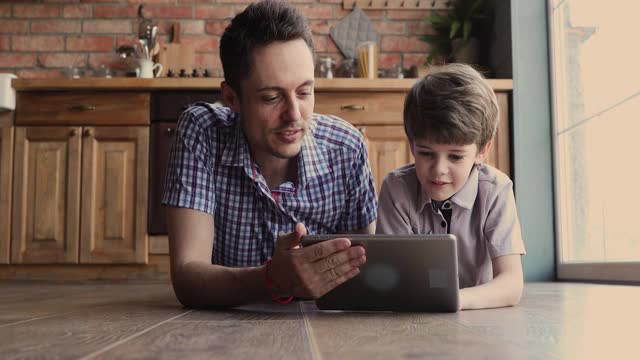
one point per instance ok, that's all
(116, 84)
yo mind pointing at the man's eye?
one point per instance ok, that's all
(270, 99)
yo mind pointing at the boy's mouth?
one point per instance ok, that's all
(439, 183)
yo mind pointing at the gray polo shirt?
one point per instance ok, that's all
(483, 217)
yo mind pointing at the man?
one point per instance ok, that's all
(242, 176)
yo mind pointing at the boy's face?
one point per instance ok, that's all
(444, 169)
(277, 100)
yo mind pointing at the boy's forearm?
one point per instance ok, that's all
(201, 285)
(503, 290)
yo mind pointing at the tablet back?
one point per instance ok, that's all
(402, 273)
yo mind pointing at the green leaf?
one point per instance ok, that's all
(455, 26)
(466, 30)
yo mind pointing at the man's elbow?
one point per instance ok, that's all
(184, 289)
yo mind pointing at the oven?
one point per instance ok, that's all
(166, 107)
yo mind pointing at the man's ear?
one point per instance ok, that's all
(230, 97)
(482, 153)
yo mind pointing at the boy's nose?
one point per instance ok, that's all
(440, 167)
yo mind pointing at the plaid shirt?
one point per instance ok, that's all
(211, 170)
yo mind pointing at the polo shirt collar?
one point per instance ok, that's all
(466, 196)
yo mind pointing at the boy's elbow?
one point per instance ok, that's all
(516, 294)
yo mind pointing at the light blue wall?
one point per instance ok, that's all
(532, 147)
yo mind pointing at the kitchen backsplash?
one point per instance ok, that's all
(41, 38)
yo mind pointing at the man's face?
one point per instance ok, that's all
(277, 100)
(444, 169)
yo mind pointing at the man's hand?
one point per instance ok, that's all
(313, 271)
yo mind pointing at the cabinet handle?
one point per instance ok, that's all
(73, 132)
(352, 107)
(82, 108)
(169, 131)
(88, 132)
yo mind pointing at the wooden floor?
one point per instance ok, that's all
(144, 321)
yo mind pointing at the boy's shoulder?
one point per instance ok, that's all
(492, 180)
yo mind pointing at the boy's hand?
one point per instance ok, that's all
(312, 271)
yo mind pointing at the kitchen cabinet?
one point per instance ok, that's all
(6, 168)
(387, 148)
(80, 185)
(115, 168)
(80, 195)
(46, 206)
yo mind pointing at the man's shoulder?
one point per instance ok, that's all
(334, 133)
(205, 115)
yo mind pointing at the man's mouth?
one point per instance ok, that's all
(288, 135)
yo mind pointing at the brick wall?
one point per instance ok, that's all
(39, 38)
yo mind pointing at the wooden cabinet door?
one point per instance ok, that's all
(46, 195)
(388, 149)
(6, 168)
(500, 149)
(115, 167)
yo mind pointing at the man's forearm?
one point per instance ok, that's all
(202, 285)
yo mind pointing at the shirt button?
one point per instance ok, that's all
(443, 224)
(446, 205)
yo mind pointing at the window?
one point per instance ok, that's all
(595, 64)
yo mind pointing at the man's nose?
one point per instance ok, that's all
(292, 111)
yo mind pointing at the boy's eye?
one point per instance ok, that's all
(426, 154)
(456, 157)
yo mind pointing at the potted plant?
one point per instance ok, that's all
(455, 37)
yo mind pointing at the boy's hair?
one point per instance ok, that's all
(260, 24)
(454, 104)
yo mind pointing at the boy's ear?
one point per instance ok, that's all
(482, 153)
(230, 97)
(411, 148)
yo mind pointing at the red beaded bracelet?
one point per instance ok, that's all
(268, 280)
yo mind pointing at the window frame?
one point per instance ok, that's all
(627, 271)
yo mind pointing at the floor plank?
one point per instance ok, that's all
(250, 332)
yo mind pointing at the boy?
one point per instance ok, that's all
(450, 118)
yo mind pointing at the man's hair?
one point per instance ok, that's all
(260, 24)
(453, 104)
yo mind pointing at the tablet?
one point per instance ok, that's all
(402, 273)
